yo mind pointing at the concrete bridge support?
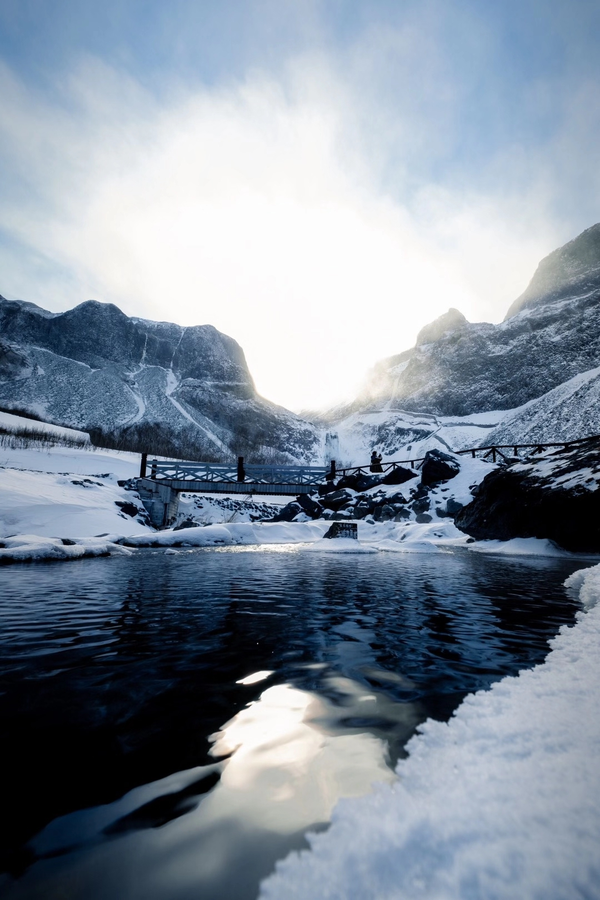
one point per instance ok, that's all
(161, 501)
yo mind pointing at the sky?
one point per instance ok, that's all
(318, 179)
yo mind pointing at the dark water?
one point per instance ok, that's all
(133, 765)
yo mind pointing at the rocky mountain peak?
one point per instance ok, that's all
(570, 270)
(445, 324)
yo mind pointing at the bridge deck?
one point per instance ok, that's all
(229, 487)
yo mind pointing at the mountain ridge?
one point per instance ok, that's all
(186, 389)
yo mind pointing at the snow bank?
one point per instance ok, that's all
(90, 461)
(49, 504)
(520, 547)
(503, 801)
(232, 533)
(14, 423)
(33, 548)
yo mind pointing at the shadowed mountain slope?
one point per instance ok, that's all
(148, 385)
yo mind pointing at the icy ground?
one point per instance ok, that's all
(501, 802)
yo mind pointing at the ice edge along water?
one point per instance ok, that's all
(502, 801)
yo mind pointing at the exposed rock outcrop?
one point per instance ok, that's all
(438, 466)
(556, 497)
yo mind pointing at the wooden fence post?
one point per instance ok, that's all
(241, 474)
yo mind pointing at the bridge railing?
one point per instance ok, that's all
(182, 471)
(509, 452)
(254, 474)
(384, 467)
(505, 452)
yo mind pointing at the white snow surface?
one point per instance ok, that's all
(501, 802)
(399, 434)
(567, 412)
(49, 494)
(12, 423)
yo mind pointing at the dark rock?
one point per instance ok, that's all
(336, 499)
(401, 514)
(397, 498)
(358, 481)
(421, 505)
(438, 466)
(451, 508)
(423, 518)
(328, 488)
(366, 482)
(398, 476)
(363, 507)
(310, 506)
(558, 499)
(342, 530)
(187, 523)
(67, 542)
(130, 509)
(288, 513)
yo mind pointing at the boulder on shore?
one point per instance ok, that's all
(438, 466)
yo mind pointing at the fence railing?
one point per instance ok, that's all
(183, 471)
(234, 474)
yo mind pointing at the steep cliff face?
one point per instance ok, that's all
(570, 271)
(156, 384)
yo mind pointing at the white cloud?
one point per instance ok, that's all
(253, 208)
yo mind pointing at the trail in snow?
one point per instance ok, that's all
(171, 385)
(141, 405)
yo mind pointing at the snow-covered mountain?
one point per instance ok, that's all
(532, 377)
(154, 385)
(188, 391)
(459, 368)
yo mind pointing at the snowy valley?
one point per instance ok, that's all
(492, 790)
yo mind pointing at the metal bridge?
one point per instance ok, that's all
(161, 481)
(236, 478)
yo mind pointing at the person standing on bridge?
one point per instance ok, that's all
(376, 462)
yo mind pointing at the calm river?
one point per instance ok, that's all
(173, 724)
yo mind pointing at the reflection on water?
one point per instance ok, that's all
(177, 722)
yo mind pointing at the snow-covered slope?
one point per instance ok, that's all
(400, 434)
(571, 410)
(158, 386)
(572, 270)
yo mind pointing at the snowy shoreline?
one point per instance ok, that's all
(502, 801)
(66, 504)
